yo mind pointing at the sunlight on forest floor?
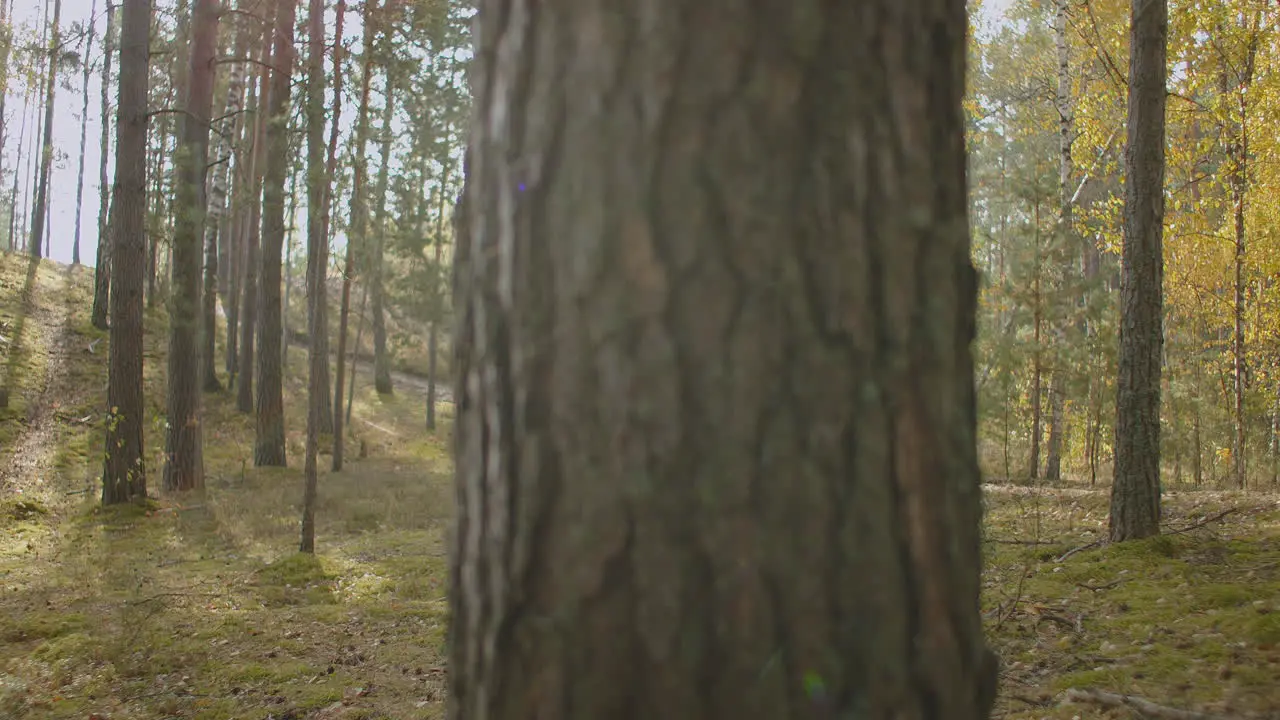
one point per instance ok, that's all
(198, 606)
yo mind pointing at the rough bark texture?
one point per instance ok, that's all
(317, 262)
(269, 446)
(184, 457)
(716, 432)
(1135, 492)
(359, 228)
(84, 126)
(46, 143)
(123, 474)
(433, 334)
(381, 358)
(102, 270)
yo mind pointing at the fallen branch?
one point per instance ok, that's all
(159, 596)
(1073, 551)
(1206, 521)
(1000, 541)
(379, 427)
(1017, 598)
(1140, 706)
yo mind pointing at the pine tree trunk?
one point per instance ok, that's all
(184, 466)
(102, 270)
(433, 341)
(1033, 464)
(123, 474)
(667, 304)
(317, 262)
(1135, 492)
(250, 300)
(84, 127)
(269, 447)
(1057, 420)
(358, 237)
(6, 45)
(381, 358)
(46, 149)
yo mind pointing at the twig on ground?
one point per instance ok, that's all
(1073, 551)
(1000, 541)
(158, 596)
(1104, 586)
(1076, 625)
(1139, 706)
(1017, 598)
(379, 427)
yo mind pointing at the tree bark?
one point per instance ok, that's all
(84, 127)
(359, 228)
(124, 472)
(317, 261)
(1037, 358)
(46, 144)
(716, 416)
(102, 269)
(433, 334)
(184, 456)
(381, 358)
(269, 447)
(1135, 492)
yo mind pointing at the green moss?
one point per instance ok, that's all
(40, 625)
(1265, 629)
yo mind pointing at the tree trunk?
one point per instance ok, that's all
(1057, 420)
(317, 261)
(433, 342)
(84, 127)
(1037, 359)
(6, 45)
(124, 472)
(355, 352)
(1238, 154)
(249, 296)
(102, 270)
(381, 358)
(290, 223)
(269, 448)
(1135, 492)
(626, 546)
(359, 226)
(184, 466)
(46, 149)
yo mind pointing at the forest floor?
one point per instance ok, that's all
(196, 606)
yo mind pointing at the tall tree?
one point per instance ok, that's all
(249, 300)
(670, 302)
(374, 277)
(6, 47)
(46, 144)
(1062, 103)
(184, 460)
(102, 270)
(1135, 492)
(269, 448)
(317, 262)
(123, 475)
(84, 125)
(358, 237)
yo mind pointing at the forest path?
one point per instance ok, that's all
(39, 365)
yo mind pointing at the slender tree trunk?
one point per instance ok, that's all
(46, 149)
(355, 351)
(619, 550)
(1057, 422)
(102, 270)
(317, 262)
(124, 472)
(1037, 360)
(1063, 104)
(358, 237)
(6, 46)
(84, 127)
(269, 448)
(1238, 152)
(290, 239)
(381, 358)
(433, 342)
(184, 467)
(249, 296)
(1135, 492)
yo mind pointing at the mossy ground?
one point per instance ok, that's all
(197, 605)
(1187, 619)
